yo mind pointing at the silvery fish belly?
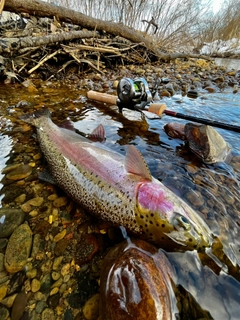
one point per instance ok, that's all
(118, 189)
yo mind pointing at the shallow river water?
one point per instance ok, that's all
(208, 282)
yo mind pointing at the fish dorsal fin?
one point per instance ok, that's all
(97, 134)
(68, 124)
(135, 163)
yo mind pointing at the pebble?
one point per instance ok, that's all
(39, 296)
(40, 306)
(54, 291)
(8, 301)
(192, 94)
(66, 278)
(37, 156)
(20, 199)
(4, 313)
(46, 283)
(65, 269)
(10, 219)
(3, 291)
(91, 308)
(219, 79)
(60, 247)
(33, 213)
(48, 314)
(63, 288)
(21, 172)
(56, 263)
(3, 243)
(36, 202)
(52, 197)
(26, 207)
(53, 301)
(18, 248)
(68, 315)
(60, 235)
(55, 275)
(35, 285)
(19, 305)
(210, 89)
(3, 277)
(60, 202)
(88, 246)
(1, 262)
(58, 283)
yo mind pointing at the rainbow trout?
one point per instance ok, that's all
(117, 189)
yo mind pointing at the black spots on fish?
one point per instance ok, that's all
(190, 239)
(163, 225)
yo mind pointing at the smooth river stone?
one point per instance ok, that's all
(135, 283)
(18, 249)
(10, 219)
(206, 143)
(20, 173)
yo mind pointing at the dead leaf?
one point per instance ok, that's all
(53, 28)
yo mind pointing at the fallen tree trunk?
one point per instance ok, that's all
(43, 9)
(14, 44)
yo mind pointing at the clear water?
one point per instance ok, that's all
(212, 278)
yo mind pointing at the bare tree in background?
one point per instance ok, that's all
(180, 22)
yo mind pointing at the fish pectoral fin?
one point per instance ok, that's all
(135, 163)
(98, 134)
(46, 176)
(177, 237)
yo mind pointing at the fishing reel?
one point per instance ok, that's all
(135, 94)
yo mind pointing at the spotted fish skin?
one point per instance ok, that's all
(117, 189)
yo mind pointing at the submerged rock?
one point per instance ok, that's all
(206, 143)
(19, 305)
(20, 173)
(18, 249)
(135, 283)
(175, 130)
(10, 219)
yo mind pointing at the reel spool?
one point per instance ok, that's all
(133, 94)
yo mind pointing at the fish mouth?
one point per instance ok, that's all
(188, 240)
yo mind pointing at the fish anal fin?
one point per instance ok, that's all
(98, 134)
(135, 163)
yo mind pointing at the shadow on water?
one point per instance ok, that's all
(210, 280)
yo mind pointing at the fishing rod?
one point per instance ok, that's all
(135, 95)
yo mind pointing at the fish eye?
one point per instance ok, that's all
(180, 222)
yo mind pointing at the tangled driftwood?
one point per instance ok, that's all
(59, 33)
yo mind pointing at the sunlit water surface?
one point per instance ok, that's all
(211, 279)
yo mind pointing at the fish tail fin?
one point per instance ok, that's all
(35, 117)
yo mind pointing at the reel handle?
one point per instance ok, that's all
(102, 97)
